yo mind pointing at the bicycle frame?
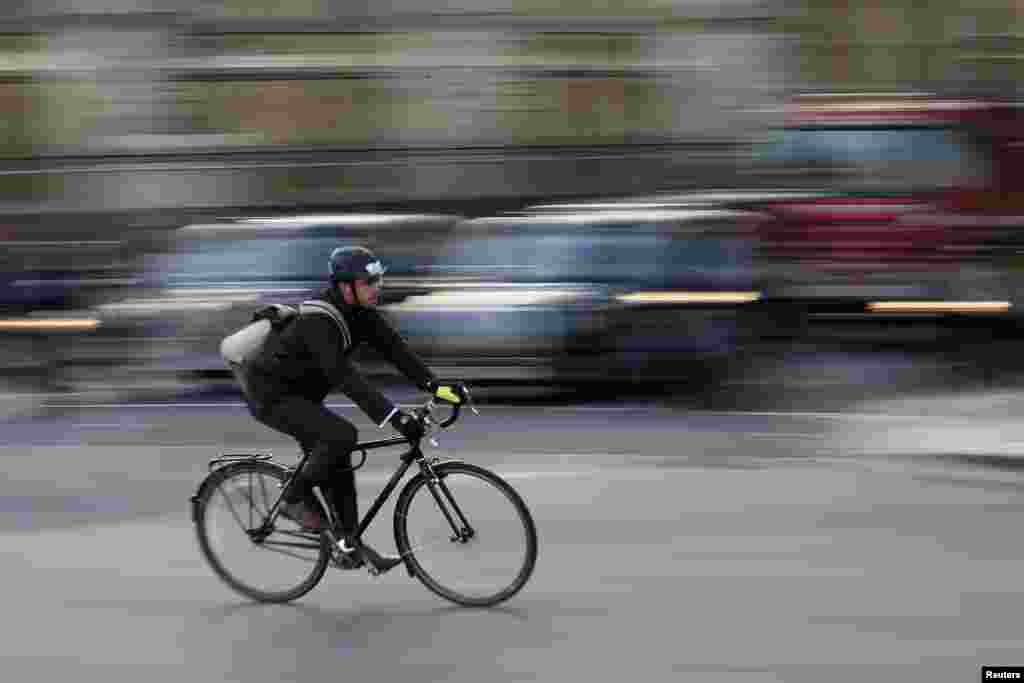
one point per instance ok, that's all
(413, 455)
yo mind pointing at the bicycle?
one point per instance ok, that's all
(464, 529)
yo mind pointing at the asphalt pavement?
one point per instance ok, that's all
(674, 545)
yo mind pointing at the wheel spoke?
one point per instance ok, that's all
(252, 505)
(248, 496)
(231, 507)
(282, 549)
(291, 544)
(413, 549)
(266, 497)
(309, 536)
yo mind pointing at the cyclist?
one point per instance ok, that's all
(286, 383)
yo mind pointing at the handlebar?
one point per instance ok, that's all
(456, 409)
(425, 414)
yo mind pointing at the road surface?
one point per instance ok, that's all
(674, 546)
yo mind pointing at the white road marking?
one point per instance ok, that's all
(855, 417)
(539, 474)
(579, 455)
(142, 405)
(239, 404)
(215, 446)
(518, 475)
(287, 451)
(839, 416)
(32, 395)
(232, 404)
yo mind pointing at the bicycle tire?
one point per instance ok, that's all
(448, 473)
(211, 485)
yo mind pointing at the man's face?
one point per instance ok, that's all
(367, 292)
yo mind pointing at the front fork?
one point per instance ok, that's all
(462, 530)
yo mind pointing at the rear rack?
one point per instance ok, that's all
(237, 457)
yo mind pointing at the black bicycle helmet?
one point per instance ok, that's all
(354, 263)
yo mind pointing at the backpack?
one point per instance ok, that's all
(241, 347)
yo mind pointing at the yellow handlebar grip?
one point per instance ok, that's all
(446, 394)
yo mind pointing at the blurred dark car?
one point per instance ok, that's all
(582, 295)
(206, 280)
(558, 295)
(50, 282)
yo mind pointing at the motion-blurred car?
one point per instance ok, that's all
(550, 296)
(50, 281)
(206, 280)
(918, 193)
(888, 219)
(579, 295)
(911, 232)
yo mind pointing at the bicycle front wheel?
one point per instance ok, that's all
(469, 537)
(268, 564)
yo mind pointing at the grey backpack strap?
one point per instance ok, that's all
(320, 307)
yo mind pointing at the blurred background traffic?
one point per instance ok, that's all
(723, 200)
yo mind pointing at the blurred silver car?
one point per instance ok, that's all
(206, 280)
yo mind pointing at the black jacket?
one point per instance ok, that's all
(310, 358)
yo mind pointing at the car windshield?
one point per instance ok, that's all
(628, 254)
(898, 158)
(199, 261)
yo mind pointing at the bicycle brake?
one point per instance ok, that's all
(469, 400)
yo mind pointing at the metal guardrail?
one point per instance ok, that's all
(310, 156)
(754, 12)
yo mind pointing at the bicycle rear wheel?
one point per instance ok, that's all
(470, 538)
(280, 564)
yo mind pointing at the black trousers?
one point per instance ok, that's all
(327, 437)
